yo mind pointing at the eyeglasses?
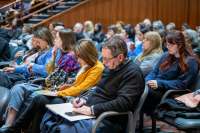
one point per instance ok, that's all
(170, 45)
(38, 42)
(108, 60)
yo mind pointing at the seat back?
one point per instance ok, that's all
(196, 84)
(138, 108)
(4, 100)
(3, 11)
(99, 47)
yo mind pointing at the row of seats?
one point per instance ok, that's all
(36, 18)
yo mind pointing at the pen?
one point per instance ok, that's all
(78, 100)
(54, 88)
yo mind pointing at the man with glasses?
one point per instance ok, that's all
(56, 29)
(121, 85)
(78, 31)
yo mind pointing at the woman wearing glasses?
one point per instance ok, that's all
(88, 76)
(176, 69)
(59, 72)
(36, 68)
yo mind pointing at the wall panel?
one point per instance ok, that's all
(108, 12)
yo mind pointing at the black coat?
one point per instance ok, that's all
(5, 54)
(79, 36)
(196, 49)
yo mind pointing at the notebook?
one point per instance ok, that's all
(61, 109)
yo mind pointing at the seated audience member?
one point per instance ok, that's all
(88, 29)
(112, 31)
(120, 26)
(128, 26)
(138, 27)
(36, 68)
(147, 22)
(88, 76)
(198, 32)
(10, 13)
(56, 29)
(192, 39)
(158, 25)
(5, 54)
(141, 36)
(176, 69)
(118, 90)
(127, 35)
(170, 27)
(185, 26)
(163, 34)
(36, 2)
(28, 57)
(197, 28)
(52, 25)
(67, 67)
(150, 27)
(60, 24)
(16, 29)
(98, 33)
(121, 23)
(78, 31)
(26, 35)
(151, 52)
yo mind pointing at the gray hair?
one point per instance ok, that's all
(147, 21)
(193, 36)
(158, 25)
(117, 46)
(162, 32)
(79, 25)
(169, 26)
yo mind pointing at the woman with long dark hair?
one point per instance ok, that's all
(128, 35)
(176, 69)
(98, 33)
(16, 29)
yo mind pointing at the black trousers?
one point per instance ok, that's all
(35, 112)
(153, 99)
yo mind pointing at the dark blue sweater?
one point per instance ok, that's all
(173, 77)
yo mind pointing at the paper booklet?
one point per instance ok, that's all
(61, 109)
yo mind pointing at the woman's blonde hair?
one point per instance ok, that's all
(119, 27)
(46, 36)
(86, 50)
(90, 25)
(155, 48)
(29, 28)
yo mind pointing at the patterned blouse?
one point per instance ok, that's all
(67, 67)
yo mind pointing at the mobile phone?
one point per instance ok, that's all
(72, 113)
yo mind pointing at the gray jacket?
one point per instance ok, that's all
(15, 33)
(148, 63)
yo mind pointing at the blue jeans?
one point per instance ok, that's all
(21, 96)
(108, 127)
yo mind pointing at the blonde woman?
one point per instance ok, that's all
(88, 29)
(151, 52)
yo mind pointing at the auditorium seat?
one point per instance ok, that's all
(36, 18)
(4, 100)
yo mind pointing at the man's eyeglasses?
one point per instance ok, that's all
(108, 60)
